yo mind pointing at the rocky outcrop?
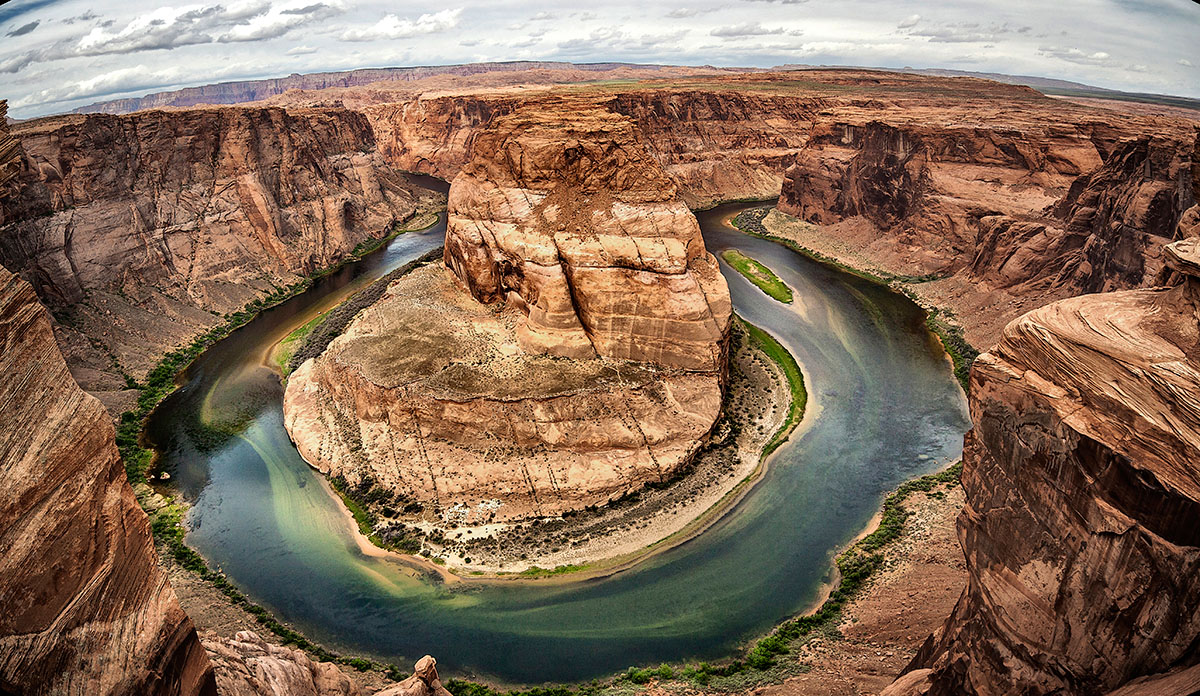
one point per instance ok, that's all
(10, 154)
(142, 230)
(578, 246)
(429, 395)
(1013, 216)
(247, 665)
(424, 681)
(1083, 495)
(564, 213)
(87, 610)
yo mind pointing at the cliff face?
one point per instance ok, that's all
(1014, 216)
(716, 145)
(1083, 492)
(564, 211)
(142, 229)
(86, 607)
(576, 241)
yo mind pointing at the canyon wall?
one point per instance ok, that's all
(585, 359)
(87, 610)
(1083, 495)
(141, 231)
(716, 144)
(1013, 216)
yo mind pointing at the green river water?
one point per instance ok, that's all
(884, 407)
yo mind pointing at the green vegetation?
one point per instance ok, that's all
(760, 275)
(940, 321)
(791, 369)
(536, 572)
(292, 342)
(160, 381)
(962, 353)
(167, 525)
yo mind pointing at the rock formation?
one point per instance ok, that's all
(1029, 213)
(141, 230)
(87, 610)
(424, 681)
(565, 213)
(247, 665)
(1083, 496)
(577, 241)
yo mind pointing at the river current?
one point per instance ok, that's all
(883, 408)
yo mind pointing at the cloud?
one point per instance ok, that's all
(682, 12)
(85, 17)
(393, 27)
(745, 29)
(1075, 55)
(24, 29)
(962, 32)
(168, 28)
(1184, 62)
(301, 50)
(543, 16)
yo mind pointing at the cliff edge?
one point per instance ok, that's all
(1082, 476)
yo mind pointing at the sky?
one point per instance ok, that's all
(56, 55)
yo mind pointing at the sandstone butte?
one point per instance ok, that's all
(1082, 475)
(572, 350)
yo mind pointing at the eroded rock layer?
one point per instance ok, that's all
(565, 213)
(86, 608)
(429, 394)
(1082, 476)
(1030, 211)
(143, 229)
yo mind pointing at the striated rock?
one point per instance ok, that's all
(578, 244)
(147, 225)
(429, 395)
(1083, 495)
(10, 154)
(247, 665)
(87, 610)
(564, 212)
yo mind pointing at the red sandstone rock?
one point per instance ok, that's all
(86, 608)
(1082, 476)
(146, 225)
(564, 211)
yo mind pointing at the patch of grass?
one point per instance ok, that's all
(940, 321)
(292, 342)
(760, 275)
(536, 572)
(795, 378)
(962, 353)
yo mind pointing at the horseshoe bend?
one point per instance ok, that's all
(310, 381)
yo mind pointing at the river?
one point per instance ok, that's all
(883, 408)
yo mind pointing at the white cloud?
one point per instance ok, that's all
(301, 50)
(909, 21)
(745, 29)
(393, 27)
(1185, 62)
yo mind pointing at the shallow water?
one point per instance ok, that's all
(883, 408)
